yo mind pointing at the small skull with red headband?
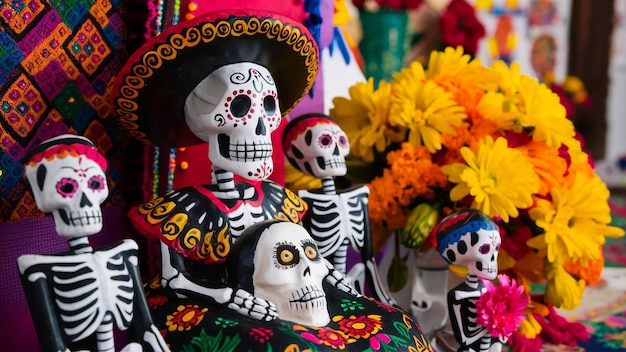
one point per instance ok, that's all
(67, 178)
(316, 145)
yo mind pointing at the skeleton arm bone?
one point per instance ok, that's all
(41, 305)
(146, 331)
(240, 300)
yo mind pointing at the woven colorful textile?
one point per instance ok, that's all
(57, 63)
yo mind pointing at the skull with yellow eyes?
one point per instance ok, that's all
(287, 269)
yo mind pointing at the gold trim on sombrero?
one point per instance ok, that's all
(272, 28)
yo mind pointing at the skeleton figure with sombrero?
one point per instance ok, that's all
(227, 78)
(217, 79)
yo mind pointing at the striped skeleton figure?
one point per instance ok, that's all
(471, 239)
(77, 298)
(337, 220)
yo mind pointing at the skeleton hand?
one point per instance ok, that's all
(336, 279)
(155, 340)
(254, 307)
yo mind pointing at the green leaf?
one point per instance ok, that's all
(398, 274)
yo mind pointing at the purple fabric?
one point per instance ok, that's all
(38, 236)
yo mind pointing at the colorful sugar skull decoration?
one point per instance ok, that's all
(471, 239)
(235, 109)
(317, 146)
(285, 267)
(78, 298)
(68, 181)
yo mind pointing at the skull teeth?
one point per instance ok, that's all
(307, 294)
(333, 163)
(81, 218)
(246, 151)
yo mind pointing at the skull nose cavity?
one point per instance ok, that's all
(84, 201)
(260, 128)
(307, 271)
(336, 151)
(479, 266)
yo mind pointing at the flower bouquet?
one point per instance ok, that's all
(455, 134)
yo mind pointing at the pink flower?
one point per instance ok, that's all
(558, 330)
(520, 343)
(499, 309)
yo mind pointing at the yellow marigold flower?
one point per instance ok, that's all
(509, 78)
(575, 222)
(500, 179)
(452, 68)
(544, 113)
(562, 290)
(364, 119)
(412, 75)
(529, 327)
(426, 110)
(497, 108)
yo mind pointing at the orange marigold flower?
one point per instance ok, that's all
(591, 272)
(549, 166)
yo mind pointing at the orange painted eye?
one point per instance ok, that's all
(311, 252)
(287, 255)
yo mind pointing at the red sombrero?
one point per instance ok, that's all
(150, 90)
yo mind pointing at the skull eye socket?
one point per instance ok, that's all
(325, 140)
(66, 187)
(310, 250)
(240, 105)
(343, 141)
(484, 249)
(287, 255)
(269, 104)
(96, 183)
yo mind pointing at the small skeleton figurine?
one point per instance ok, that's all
(317, 146)
(470, 238)
(77, 298)
(279, 261)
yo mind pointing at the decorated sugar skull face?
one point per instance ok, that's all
(67, 178)
(289, 270)
(470, 238)
(316, 145)
(235, 109)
